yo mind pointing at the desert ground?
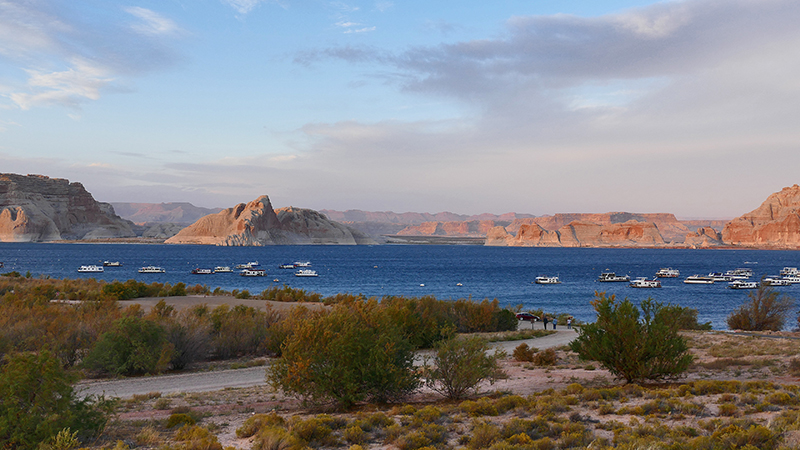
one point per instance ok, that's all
(738, 382)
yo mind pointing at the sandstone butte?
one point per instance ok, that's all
(257, 223)
(36, 208)
(774, 224)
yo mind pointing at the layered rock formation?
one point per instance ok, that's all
(257, 223)
(36, 208)
(580, 234)
(471, 228)
(774, 224)
(703, 238)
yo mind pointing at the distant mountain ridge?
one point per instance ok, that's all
(151, 213)
(414, 218)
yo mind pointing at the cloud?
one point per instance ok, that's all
(243, 6)
(82, 81)
(151, 23)
(61, 56)
(590, 113)
(361, 30)
(384, 6)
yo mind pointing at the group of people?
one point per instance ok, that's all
(555, 322)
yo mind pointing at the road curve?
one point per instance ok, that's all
(255, 376)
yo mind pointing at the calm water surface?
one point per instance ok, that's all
(415, 270)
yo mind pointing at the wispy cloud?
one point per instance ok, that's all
(63, 57)
(243, 6)
(384, 6)
(151, 23)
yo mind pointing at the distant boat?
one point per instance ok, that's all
(200, 271)
(90, 269)
(286, 266)
(112, 263)
(222, 269)
(668, 272)
(546, 280)
(248, 265)
(698, 279)
(643, 282)
(151, 269)
(253, 272)
(775, 281)
(302, 263)
(789, 271)
(306, 273)
(739, 284)
(607, 277)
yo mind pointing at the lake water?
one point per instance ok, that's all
(415, 270)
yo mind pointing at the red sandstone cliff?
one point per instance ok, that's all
(580, 234)
(467, 228)
(257, 223)
(774, 224)
(36, 208)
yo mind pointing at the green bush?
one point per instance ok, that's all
(460, 365)
(134, 346)
(631, 348)
(766, 310)
(176, 419)
(344, 356)
(37, 402)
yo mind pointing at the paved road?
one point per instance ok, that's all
(255, 376)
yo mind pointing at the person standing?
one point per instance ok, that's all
(569, 323)
(555, 322)
(544, 321)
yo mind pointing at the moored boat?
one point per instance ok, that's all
(151, 269)
(792, 279)
(775, 281)
(253, 272)
(643, 282)
(222, 269)
(90, 269)
(202, 271)
(547, 280)
(789, 271)
(286, 266)
(740, 274)
(740, 284)
(302, 263)
(613, 277)
(248, 265)
(112, 263)
(668, 272)
(719, 276)
(698, 279)
(306, 273)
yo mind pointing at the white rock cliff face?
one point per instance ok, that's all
(256, 223)
(36, 208)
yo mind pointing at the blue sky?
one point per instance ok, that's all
(688, 107)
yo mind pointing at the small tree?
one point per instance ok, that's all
(345, 356)
(633, 348)
(37, 402)
(134, 346)
(460, 365)
(766, 310)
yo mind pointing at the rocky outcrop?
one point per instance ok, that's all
(669, 227)
(257, 223)
(774, 224)
(472, 228)
(580, 234)
(703, 238)
(36, 208)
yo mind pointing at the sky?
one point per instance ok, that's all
(540, 107)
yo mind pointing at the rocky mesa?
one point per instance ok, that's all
(580, 234)
(774, 224)
(257, 223)
(36, 208)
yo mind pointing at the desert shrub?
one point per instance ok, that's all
(133, 346)
(288, 294)
(524, 353)
(37, 402)
(253, 424)
(176, 419)
(344, 356)
(354, 434)
(545, 357)
(460, 365)
(686, 318)
(273, 438)
(240, 330)
(194, 437)
(766, 310)
(190, 336)
(484, 434)
(630, 347)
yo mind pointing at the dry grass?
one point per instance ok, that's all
(741, 389)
